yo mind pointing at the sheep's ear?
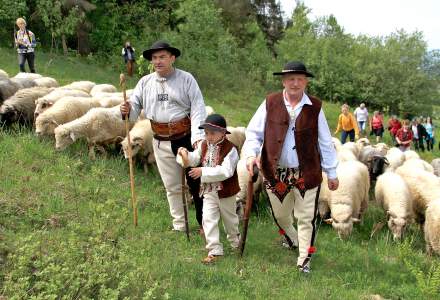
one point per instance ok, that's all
(136, 139)
(356, 220)
(72, 136)
(329, 221)
(50, 103)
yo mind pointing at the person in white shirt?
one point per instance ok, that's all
(361, 115)
(219, 183)
(290, 141)
(171, 99)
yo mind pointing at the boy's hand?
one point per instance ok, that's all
(195, 173)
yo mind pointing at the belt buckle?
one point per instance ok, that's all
(171, 128)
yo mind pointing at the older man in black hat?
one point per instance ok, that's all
(171, 99)
(290, 141)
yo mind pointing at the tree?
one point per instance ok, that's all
(9, 11)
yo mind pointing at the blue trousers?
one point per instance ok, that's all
(345, 134)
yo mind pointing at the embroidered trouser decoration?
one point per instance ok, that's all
(285, 180)
(312, 249)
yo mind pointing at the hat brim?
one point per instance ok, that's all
(213, 127)
(294, 72)
(149, 52)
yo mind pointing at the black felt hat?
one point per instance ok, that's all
(160, 45)
(215, 122)
(294, 67)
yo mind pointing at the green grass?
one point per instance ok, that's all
(66, 230)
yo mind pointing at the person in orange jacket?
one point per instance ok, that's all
(347, 123)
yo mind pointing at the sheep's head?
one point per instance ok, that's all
(8, 114)
(136, 145)
(377, 166)
(41, 105)
(397, 225)
(63, 138)
(44, 125)
(363, 142)
(342, 223)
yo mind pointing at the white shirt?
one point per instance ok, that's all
(361, 114)
(289, 156)
(212, 174)
(169, 99)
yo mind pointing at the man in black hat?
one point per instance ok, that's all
(219, 183)
(290, 141)
(171, 99)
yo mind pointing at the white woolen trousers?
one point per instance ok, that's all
(213, 209)
(304, 210)
(171, 173)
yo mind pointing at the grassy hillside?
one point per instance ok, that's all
(66, 229)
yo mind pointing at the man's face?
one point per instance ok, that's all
(213, 136)
(163, 62)
(295, 84)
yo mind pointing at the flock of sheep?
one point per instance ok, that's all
(407, 187)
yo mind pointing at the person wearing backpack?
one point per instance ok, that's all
(25, 42)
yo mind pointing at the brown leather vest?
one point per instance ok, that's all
(306, 139)
(230, 186)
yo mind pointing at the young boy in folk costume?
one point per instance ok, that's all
(219, 183)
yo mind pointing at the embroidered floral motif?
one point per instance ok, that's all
(211, 159)
(287, 178)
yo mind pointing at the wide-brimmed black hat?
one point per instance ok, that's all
(215, 122)
(294, 67)
(160, 45)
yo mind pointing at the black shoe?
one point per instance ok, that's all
(305, 269)
(285, 244)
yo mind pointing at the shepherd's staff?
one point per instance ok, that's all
(185, 204)
(247, 211)
(130, 158)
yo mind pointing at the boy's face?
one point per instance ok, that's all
(214, 136)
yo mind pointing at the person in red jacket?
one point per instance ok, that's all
(394, 125)
(404, 136)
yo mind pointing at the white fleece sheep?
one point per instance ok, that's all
(353, 147)
(432, 227)
(23, 83)
(100, 126)
(47, 82)
(20, 107)
(243, 179)
(435, 163)
(85, 86)
(209, 110)
(424, 187)
(392, 193)
(410, 154)
(337, 143)
(30, 76)
(141, 138)
(3, 74)
(345, 154)
(43, 103)
(395, 158)
(237, 136)
(65, 110)
(109, 101)
(368, 152)
(349, 202)
(362, 142)
(418, 164)
(103, 88)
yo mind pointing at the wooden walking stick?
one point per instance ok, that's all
(247, 211)
(130, 157)
(185, 204)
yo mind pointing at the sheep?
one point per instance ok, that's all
(395, 158)
(3, 74)
(392, 193)
(435, 163)
(43, 103)
(345, 154)
(243, 179)
(23, 83)
(85, 86)
(65, 110)
(410, 154)
(100, 126)
(362, 142)
(424, 187)
(337, 143)
(416, 163)
(141, 138)
(109, 101)
(20, 107)
(29, 76)
(353, 147)
(46, 81)
(7, 89)
(209, 110)
(432, 227)
(99, 88)
(367, 153)
(349, 202)
(237, 136)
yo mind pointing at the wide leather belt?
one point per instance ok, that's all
(171, 131)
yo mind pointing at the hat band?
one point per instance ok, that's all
(216, 126)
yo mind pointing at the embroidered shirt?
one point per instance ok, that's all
(169, 99)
